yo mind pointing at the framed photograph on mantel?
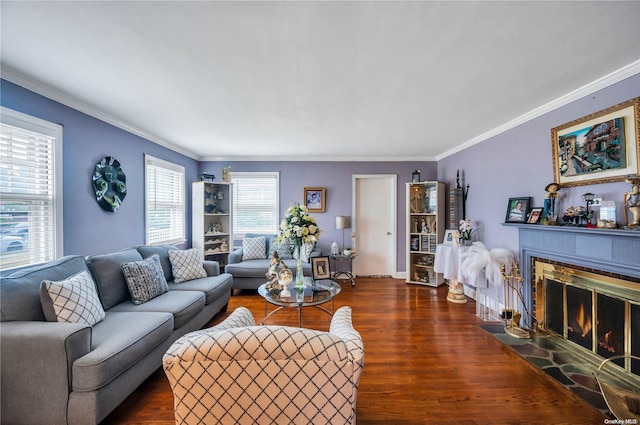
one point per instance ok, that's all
(598, 148)
(517, 210)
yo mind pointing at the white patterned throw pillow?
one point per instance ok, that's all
(305, 252)
(186, 265)
(254, 248)
(73, 300)
(145, 279)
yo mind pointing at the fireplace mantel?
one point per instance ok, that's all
(610, 250)
(613, 251)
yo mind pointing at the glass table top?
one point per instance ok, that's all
(314, 293)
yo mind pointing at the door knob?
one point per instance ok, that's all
(388, 233)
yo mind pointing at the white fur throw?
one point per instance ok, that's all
(480, 261)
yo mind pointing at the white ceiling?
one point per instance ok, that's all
(356, 80)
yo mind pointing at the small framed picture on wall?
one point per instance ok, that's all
(314, 199)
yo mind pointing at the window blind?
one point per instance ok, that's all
(30, 190)
(164, 202)
(255, 203)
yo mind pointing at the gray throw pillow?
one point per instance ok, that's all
(145, 279)
(284, 249)
(186, 265)
(72, 300)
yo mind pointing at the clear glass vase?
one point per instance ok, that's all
(299, 276)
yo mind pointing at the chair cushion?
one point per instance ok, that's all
(73, 300)
(186, 265)
(116, 342)
(254, 248)
(145, 279)
(184, 305)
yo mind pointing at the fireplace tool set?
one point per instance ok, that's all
(512, 297)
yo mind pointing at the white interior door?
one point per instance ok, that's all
(375, 206)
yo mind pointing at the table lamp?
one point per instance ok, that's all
(343, 222)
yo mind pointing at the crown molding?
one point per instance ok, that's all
(599, 84)
(22, 80)
(10, 74)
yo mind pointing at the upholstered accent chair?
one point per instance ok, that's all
(239, 373)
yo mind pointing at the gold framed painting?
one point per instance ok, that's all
(314, 198)
(598, 148)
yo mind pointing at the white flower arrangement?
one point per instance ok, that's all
(298, 226)
(466, 229)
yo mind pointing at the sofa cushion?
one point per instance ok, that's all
(72, 300)
(258, 268)
(186, 265)
(163, 252)
(107, 270)
(184, 305)
(253, 248)
(214, 287)
(305, 252)
(145, 279)
(20, 290)
(116, 344)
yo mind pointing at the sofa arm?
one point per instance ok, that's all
(35, 361)
(235, 256)
(342, 326)
(211, 267)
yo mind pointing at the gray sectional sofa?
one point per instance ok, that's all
(69, 373)
(250, 274)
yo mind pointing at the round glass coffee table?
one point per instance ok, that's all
(314, 294)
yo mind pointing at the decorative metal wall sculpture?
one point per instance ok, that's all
(109, 184)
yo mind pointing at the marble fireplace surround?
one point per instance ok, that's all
(607, 251)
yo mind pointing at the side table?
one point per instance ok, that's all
(449, 262)
(340, 258)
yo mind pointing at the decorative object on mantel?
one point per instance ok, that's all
(549, 215)
(588, 199)
(109, 184)
(599, 148)
(226, 172)
(607, 217)
(632, 202)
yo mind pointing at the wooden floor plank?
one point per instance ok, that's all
(426, 362)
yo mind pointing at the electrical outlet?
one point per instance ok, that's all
(597, 201)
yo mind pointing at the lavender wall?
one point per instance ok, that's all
(518, 163)
(88, 229)
(337, 178)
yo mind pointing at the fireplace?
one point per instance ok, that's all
(583, 285)
(597, 312)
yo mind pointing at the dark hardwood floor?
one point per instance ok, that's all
(426, 362)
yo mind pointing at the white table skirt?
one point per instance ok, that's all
(449, 261)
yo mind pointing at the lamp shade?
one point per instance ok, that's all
(343, 222)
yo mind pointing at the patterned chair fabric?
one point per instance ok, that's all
(239, 373)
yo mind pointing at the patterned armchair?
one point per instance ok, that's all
(239, 373)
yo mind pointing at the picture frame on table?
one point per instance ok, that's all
(534, 215)
(449, 238)
(320, 268)
(518, 209)
(598, 148)
(314, 199)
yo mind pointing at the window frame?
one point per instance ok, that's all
(150, 160)
(275, 175)
(53, 131)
